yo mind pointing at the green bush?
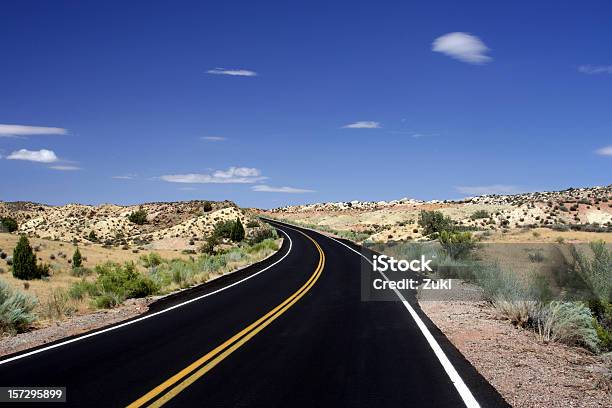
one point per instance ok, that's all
(207, 206)
(570, 323)
(24, 260)
(92, 236)
(223, 229)
(15, 309)
(457, 245)
(151, 260)
(208, 247)
(77, 259)
(138, 217)
(78, 290)
(80, 271)
(596, 272)
(9, 224)
(237, 233)
(262, 234)
(114, 284)
(252, 224)
(479, 215)
(434, 222)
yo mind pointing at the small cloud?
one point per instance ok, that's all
(462, 46)
(213, 138)
(21, 130)
(605, 151)
(364, 124)
(187, 188)
(269, 189)
(39, 156)
(232, 72)
(492, 189)
(595, 69)
(233, 175)
(125, 177)
(65, 168)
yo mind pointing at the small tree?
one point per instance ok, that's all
(77, 259)
(237, 233)
(209, 245)
(434, 222)
(9, 224)
(138, 217)
(207, 206)
(24, 260)
(92, 236)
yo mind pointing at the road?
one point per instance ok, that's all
(291, 331)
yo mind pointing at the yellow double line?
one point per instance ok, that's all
(204, 364)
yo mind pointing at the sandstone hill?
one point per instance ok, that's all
(169, 224)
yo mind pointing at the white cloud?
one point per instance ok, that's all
(125, 177)
(213, 138)
(605, 151)
(364, 124)
(21, 130)
(39, 156)
(187, 188)
(595, 69)
(462, 46)
(269, 189)
(233, 175)
(232, 72)
(65, 168)
(492, 189)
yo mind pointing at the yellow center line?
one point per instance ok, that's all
(208, 361)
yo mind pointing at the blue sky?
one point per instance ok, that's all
(273, 103)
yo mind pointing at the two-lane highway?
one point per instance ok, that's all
(291, 331)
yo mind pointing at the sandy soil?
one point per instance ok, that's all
(527, 372)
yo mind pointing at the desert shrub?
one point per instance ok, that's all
(24, 261)
(457, 244)
(15, 309)
(237, 232)
(58, 305)
(434, 222)
(92, 236)
(116, 282)
(560, 227)
(208, 247)
(9, 224)
(80, 289)
(570, 323)
(261, 234)
(479, 215)
(604, 336)
(252, 224)
(81, 271)
(536, 256)
(138, 217)
(151, 260)
(207, 206)
(596, 272)
(77, 259)
(223, 229)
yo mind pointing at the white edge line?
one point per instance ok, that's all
(452, 373)
(150, 315)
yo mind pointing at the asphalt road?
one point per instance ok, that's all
(291, 331)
